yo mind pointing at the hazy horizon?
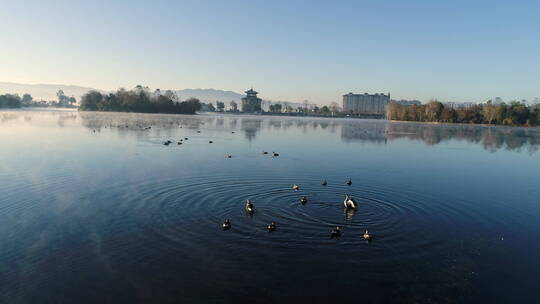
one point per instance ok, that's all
(313, 51)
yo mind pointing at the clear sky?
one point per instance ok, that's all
(288, 50)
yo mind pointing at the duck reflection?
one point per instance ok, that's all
(349, 213)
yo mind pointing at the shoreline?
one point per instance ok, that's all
(460, 123)
(272, 114)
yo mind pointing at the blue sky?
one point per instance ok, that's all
(288, 50)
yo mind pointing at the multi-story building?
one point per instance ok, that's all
(365, 103)
(251, 103)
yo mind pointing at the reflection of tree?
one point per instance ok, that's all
(491, 138)
(5, 117)
(62, 118)
(233, 122)
(275, 123)
(220, 122)
(376, 131)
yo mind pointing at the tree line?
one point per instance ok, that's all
(332, 110)
(10, 101)
(15, 101)
(140, 100)
(514, 113)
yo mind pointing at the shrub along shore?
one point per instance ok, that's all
(138, 100)
(512, 114)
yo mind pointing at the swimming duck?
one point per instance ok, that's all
(367, 236)
(179, 142)
(296, 187)
(185, 138)
(210, 141)
(232, 132)
(271, 227)
(303, 200)
(226, 224)
(336, 232)
(274, 154)
(349, 182)
(228, 156)
(265, 152)
(249, 206)
(198, 131)
(349, 202)
(324, 183)
(168, 142)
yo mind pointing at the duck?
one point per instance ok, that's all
(296, 187)
(324, 183)
(232, 132)
(367, 236)
(179, 142)
(249, 206)
(349, 202)
(168, 142)
(303, 200)
(275, 154)
(228, 156)
(271, 227)
(349, 182)
(265, 152)
(336, 232)
(210, 141)
(226, 224)
(198, 131)
(185, 138)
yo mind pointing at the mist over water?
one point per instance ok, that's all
(94, 208)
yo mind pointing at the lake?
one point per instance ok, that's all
(95, 209)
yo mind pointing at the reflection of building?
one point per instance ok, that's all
(251, 103)
(251, 127)
(366, 132)
(365, 103)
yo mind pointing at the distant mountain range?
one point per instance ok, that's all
(209, 95)
(48, 92)
(42, 91)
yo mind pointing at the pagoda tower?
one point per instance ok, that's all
(251, 103)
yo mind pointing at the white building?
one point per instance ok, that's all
(365, 103)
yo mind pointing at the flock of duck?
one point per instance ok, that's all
(349, 204)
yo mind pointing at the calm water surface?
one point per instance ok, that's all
(95, 209)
